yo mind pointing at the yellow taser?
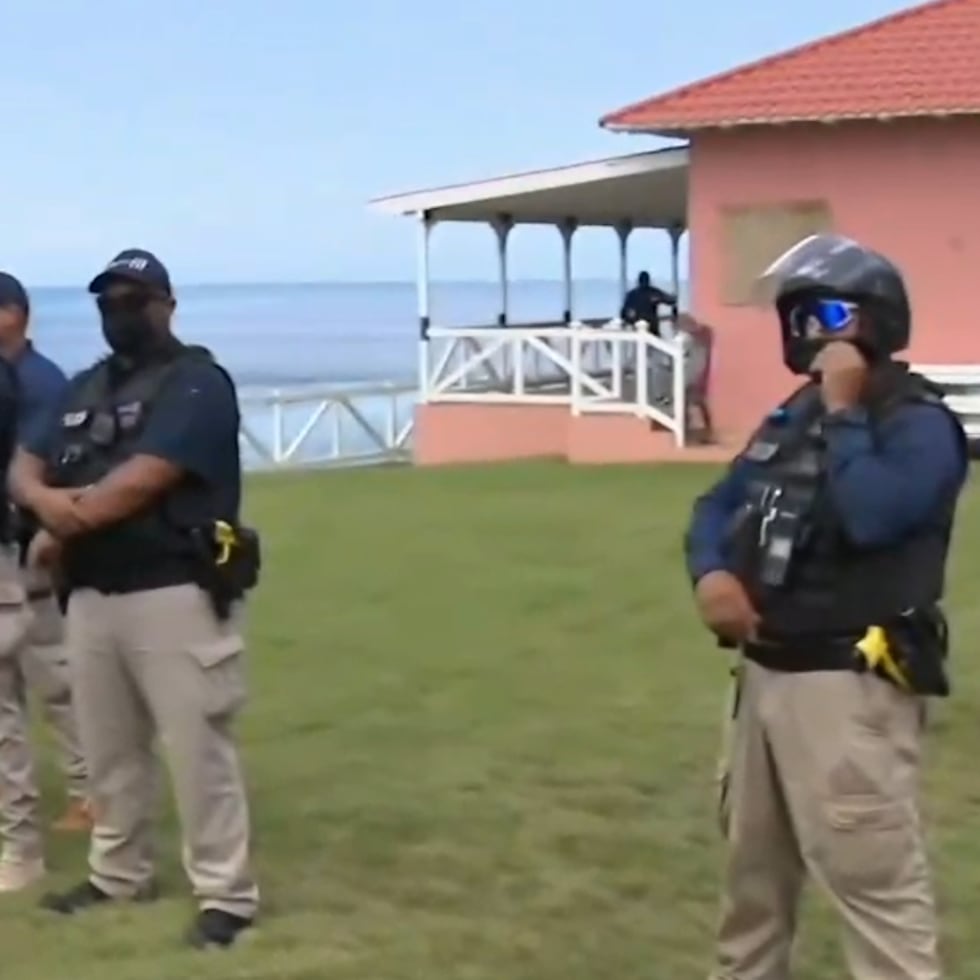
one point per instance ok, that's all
(873, 646)
(225, 539)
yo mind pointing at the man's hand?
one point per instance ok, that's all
(55, 509)
(44, 551)
(843, 372)
(725, 607)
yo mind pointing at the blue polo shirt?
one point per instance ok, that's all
(194, 425)
(42, 386)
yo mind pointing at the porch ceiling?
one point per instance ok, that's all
(645, 190)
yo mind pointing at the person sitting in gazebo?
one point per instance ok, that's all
(643, 302)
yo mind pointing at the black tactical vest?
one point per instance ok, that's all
(830, 587)
(101, 423)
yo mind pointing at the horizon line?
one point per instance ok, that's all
(298, 283)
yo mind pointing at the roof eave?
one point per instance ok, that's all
(683, 131)
(653, 130)
(668, 158)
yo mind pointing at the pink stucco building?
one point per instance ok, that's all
(874, 133)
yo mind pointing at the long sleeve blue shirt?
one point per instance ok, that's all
(883, 484)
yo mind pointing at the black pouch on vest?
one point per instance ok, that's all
(244, 560)
(919, 644)
(228, 562)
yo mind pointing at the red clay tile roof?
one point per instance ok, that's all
(918, 62)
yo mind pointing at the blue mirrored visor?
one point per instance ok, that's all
(833, 315)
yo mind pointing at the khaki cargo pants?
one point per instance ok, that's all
(32, 657)
(160, 664)
(821, 778)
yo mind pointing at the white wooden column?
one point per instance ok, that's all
(502, 226)
(623, 230)
(567, 229)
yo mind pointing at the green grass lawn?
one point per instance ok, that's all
(481, 745)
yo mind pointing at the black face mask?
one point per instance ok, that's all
(128, 332)
(872, 357)
(799, 353)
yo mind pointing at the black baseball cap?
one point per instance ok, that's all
(12, 292)
(134, 265)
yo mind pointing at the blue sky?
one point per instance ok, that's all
(241, 139)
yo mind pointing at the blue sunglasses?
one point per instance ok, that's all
(833, 315)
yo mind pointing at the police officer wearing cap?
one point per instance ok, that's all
(821, 556)
(39, 661)
(140, 463)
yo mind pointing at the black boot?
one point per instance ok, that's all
(215, 927)
(86, 895)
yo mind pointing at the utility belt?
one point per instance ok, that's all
(227, 562)
(832, 654)
(909, 652)
(126, 576)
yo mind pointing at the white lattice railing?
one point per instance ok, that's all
(650, 380)
(589, 367)
(328, 425)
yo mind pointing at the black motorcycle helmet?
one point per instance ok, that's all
(824, 276)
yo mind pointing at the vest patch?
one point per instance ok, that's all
(72, 420)
(129, 415)
(102, 431)
(760, 451)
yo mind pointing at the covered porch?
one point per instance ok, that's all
(623, 194)
(552, 376)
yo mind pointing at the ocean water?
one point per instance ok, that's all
(288, 337)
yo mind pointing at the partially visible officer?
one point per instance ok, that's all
(821, 555)
(41, 384)
(40, 661)
(137, 483)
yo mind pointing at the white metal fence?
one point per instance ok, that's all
(591, 370)
(501, 363)
(335, 425)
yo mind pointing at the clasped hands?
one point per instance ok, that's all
(55, 509)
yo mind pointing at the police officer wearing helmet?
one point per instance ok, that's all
(821, 555)
(131, 481)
